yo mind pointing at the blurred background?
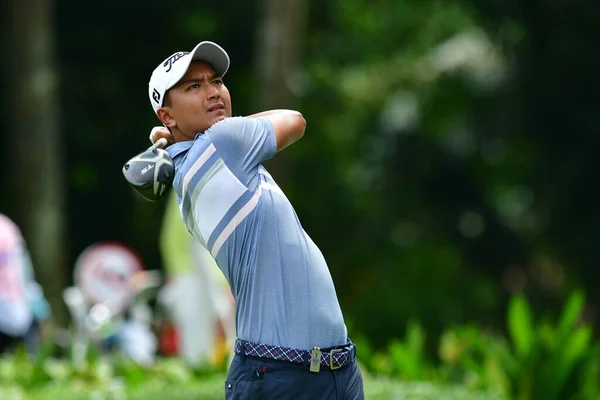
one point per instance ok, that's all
(446, 171)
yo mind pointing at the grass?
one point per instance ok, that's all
(106, 378)
(376, 388)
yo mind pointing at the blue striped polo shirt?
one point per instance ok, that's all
(283, 289)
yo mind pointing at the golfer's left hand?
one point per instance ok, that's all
(160, 132)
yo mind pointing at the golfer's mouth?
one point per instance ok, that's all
(217, 107)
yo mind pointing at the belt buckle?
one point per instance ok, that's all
(331, 353)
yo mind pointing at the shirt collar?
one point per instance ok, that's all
(175, 149)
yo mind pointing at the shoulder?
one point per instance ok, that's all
(179, 148)
(228, 129)
(233, 126)
(187, 154)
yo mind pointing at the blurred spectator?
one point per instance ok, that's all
(23, 307)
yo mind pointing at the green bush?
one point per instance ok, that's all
(538, 360)
(403, 359)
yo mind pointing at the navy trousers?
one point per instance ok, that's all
(253, 378)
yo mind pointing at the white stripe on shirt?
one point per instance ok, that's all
(212, 201)
(235, 221)
(196, 167)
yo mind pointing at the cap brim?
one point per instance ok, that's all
(213, 54)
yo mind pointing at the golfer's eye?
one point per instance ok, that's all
(194, 86)
(218, 82)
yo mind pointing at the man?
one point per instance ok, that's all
(292, 340)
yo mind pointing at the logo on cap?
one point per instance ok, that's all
(156, 96)
(171, 60)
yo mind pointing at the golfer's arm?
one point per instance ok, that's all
(289, 125)
(270, 112)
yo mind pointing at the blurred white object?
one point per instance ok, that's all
(472, 53)
(76, 304)
(15, 318)
(138, 342)
(189, 304)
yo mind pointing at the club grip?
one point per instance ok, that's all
(160, 144)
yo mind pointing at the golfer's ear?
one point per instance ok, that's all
(165, 116)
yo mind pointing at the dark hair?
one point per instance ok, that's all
(167, 99)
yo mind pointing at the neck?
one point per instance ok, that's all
(180, 136)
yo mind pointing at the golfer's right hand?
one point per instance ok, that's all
(160, 132)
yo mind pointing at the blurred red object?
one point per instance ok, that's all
(169, 340)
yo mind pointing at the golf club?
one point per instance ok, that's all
(151, 172)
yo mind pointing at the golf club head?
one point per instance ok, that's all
(151, 172)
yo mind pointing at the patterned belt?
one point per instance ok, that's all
(332, 358)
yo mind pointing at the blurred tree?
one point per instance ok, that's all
(279, 46)
(552, 135)
(36, 142)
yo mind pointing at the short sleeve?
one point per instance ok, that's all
(244, 143)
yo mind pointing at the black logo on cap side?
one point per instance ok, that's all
(156, 96)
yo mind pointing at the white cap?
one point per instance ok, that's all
(170, 71)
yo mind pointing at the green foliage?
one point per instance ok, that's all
(110, 375)
(541, 360)
(169, 379)
(538, 359)
(520, 326)
(404, 359)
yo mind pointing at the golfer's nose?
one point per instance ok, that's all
(212, 92)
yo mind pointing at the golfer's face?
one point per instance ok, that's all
(199, 99)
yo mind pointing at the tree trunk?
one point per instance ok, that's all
(279, 48)
(39, 184)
